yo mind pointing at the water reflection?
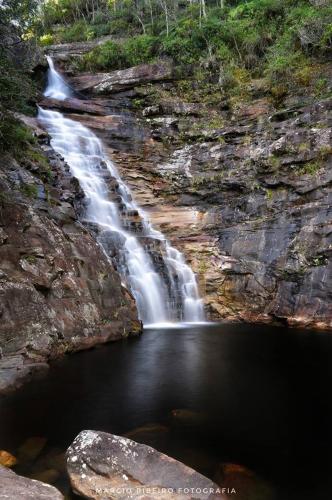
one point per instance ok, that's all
(255, 396)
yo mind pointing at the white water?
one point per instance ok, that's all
(56, 86)
(161, 297)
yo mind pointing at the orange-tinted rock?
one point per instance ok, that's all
(246, 483)
(7, 459)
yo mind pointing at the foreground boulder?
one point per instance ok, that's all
(102, 465)
(17, 487)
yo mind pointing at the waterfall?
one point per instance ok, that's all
(56, 86)
(163, 285)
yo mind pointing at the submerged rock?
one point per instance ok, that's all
(17, 487)
(247, 484)
(7, 459)
(105, 466)
(31, 449)
(152, 434)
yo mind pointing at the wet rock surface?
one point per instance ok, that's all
(244, 193)
(58, 291)
(102, 465)
(17, 487)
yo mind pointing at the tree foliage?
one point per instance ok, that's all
(16, 87)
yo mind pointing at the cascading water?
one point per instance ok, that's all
(56, 86)
(163, 285)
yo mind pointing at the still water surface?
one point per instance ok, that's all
(252, 395)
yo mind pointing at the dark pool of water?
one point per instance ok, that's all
(260, 397)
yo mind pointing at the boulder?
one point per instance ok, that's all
(105, 466)
(7, 459)
(17, 487)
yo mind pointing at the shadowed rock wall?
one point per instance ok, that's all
(58, 291)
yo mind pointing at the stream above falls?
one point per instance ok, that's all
(252, 395)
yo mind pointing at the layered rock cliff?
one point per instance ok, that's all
(58, 291)
(244, 191)
(242, 188)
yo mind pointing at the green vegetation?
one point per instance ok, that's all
(16, 88)
(31, 259)
(134, 51)
(310, 168)
(37, 158)
(30, 190)
(239, 39)
(224, 44)
(319, 260)
(14, 136)
(201, 181)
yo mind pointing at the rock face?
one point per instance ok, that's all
(74, 105)
(105, 466)
(17, 487)
(105, 83)
(244, 191)
(58, 291)
(67, 51)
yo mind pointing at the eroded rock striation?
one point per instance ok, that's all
(243, 191)
(58, 291)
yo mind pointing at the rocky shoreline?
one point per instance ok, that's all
(242, 190)
(106, 466)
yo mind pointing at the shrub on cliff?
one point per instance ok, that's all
(134, 51)
(16, 87)
(263, 36)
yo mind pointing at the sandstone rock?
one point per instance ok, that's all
(74, 105)
(17, 487)
(32, 123)
(242, 191)
(102, 466)
(58, 291)
(151, 110)
(248, 210)
(7, 459)
(320, 3)
(107, 83)
(67, 51)
(3, 236)
(247, 484)
(14, 370)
